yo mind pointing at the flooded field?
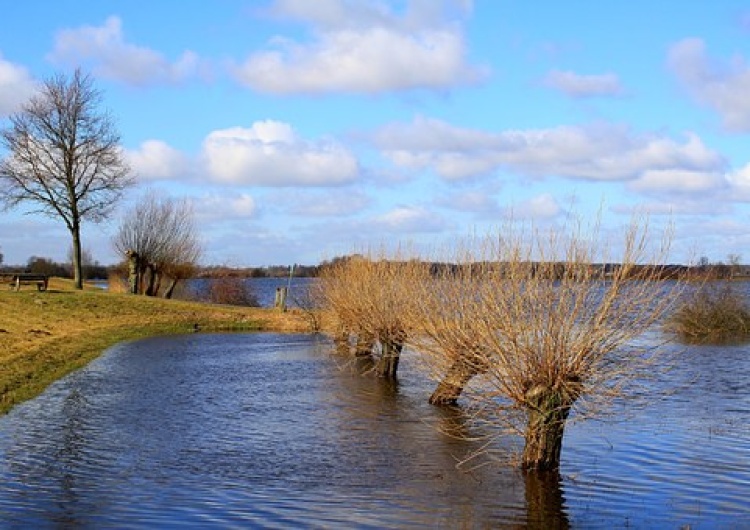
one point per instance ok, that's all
(268, 430)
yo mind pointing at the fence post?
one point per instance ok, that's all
(280, 298)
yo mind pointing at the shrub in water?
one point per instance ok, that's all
(716, 312)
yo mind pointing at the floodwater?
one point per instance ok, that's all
(271, 431)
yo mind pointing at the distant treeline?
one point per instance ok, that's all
(274, 271)
(49, 267)
(602, 270)
(95, 271)
(713, 271)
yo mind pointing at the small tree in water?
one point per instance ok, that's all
(549, 327)
(371, 298)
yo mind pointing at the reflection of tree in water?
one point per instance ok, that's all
(543, 494)
(55, 478)
(545, 505)
(69, 457)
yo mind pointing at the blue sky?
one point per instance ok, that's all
(304, 129)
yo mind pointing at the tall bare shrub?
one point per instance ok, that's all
(714, 312)
(160, 236)
(549, 327)
(371, 298)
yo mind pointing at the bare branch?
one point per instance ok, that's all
(64, 157)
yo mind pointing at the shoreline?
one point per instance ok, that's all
(47, 335)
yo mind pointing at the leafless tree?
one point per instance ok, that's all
(547, 327)
(371, 298)
(64, 157)
(161, 233)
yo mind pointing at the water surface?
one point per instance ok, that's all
(269, 430)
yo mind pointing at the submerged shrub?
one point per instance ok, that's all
(227, 290)
(716, 312)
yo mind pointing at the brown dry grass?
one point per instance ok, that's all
(45, 335)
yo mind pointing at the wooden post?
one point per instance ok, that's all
(280, 299)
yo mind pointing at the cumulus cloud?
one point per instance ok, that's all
(543, 206)
(216, 207)
(270, 153)
(156, 160)
(16, 86)
(363, 47)
(678, 181)
(409, 219)
(584, 86)
(602, 152)
(331, 203)
(104, 50)
(470, 201)
(722, 86)
(739, 183)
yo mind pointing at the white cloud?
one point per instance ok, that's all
(739, 182)
(221, 208)
(363, 47)
(331, 203)
(333, 14)
(678, 181)
(666, 206)
(409, 219)
(721, 86)
(470, 201)
(602, 152)
(155, 160)
(104, 50)
(543, 206)
(271, 154)
(16, 87)
(584, 86)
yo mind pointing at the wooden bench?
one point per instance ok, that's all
(26, 278)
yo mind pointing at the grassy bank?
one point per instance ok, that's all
(45, 335)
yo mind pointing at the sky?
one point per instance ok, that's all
(300, 130)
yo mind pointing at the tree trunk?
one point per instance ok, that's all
(388, 363)
(170, 290)
(134, 271)
(548, 410)
(151, 280)
(341, 341)
(365, 344)
(75, 231)
(157, 284)
(451, 386)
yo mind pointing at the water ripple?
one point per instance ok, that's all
(264, 430)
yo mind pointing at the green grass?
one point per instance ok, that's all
(46, 335)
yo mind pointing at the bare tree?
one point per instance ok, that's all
(159, 235)
(370, 298)
(64, 157)
(550, 327)
(87, 260)
(734, 261)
